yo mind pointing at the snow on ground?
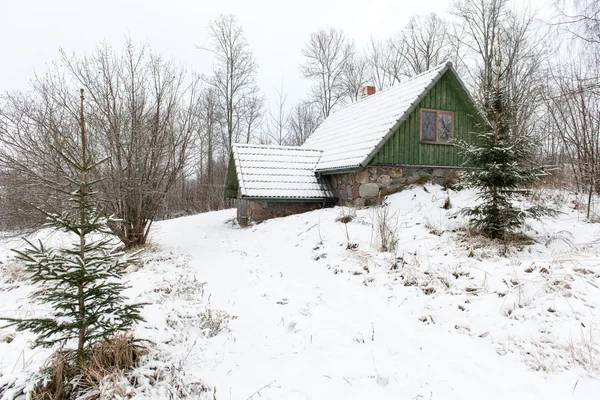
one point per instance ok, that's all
(305, 307)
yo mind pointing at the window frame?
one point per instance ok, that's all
(437, 139)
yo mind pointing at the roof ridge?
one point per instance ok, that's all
(397, 85)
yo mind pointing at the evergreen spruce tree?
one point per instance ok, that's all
(495, 166)
(82, 282)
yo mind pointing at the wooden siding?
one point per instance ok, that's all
(404, 147)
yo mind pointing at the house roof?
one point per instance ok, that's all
(350, 137)
(279, 172)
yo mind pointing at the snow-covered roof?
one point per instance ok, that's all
(272, 172)
(350, 137)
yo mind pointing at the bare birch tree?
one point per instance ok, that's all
(490, 31)
(327, 53)
(355, 76)
(276, 124)
(581, 19)
(234, 71)
(252, 116)
(424, 43)
(385, 63)
(480, 22)
(304, 119)
(574, 106)
(209, 116)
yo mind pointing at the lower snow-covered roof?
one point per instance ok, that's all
(279, 172)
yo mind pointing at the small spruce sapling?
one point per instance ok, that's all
(81, 282)
(495, 166)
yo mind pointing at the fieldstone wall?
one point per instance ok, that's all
(358, 189)
(258, 211)
(367, 186)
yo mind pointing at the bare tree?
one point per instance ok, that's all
(385, 63)
(209, 130)
(574, 106)
(424, 43)
(581, 19)
(27, 163)
(490, 31)
(276, 124)
(327, 53)
(252, 117)
(234, 70)
(355, 76)
(303, 121)
(480, 22)
(141, 118)
(523, 49)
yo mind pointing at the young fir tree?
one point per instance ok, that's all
(82, 282)
(496, 167)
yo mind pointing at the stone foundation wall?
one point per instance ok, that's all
(359, 189)
(258, 211)
(367, 186)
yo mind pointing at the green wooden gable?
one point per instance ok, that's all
(405, 147)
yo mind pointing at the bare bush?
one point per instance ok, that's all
(13, 271)
(585, 351)
(347, 214)
(141, 118)
(386, 228)
(574, 108)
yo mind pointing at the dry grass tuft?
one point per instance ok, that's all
(67, 378)
(346, 214)
(120, 354)
(58, 370)
(480, 239)
(447, 204)
(13, 271)
(518, 238)
(386, 228)
(452, 181)
(344, 219)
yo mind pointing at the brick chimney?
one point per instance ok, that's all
(368, 90)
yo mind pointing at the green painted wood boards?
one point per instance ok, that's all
(404, 147)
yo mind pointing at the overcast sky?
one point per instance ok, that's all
(31, 32)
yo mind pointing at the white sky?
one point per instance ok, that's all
(31, 32)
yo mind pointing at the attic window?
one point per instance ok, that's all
(437, 126)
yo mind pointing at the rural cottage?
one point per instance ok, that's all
(373, 147)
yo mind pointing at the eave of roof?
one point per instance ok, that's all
(289, 199)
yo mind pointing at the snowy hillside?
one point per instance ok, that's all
(306, 307)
